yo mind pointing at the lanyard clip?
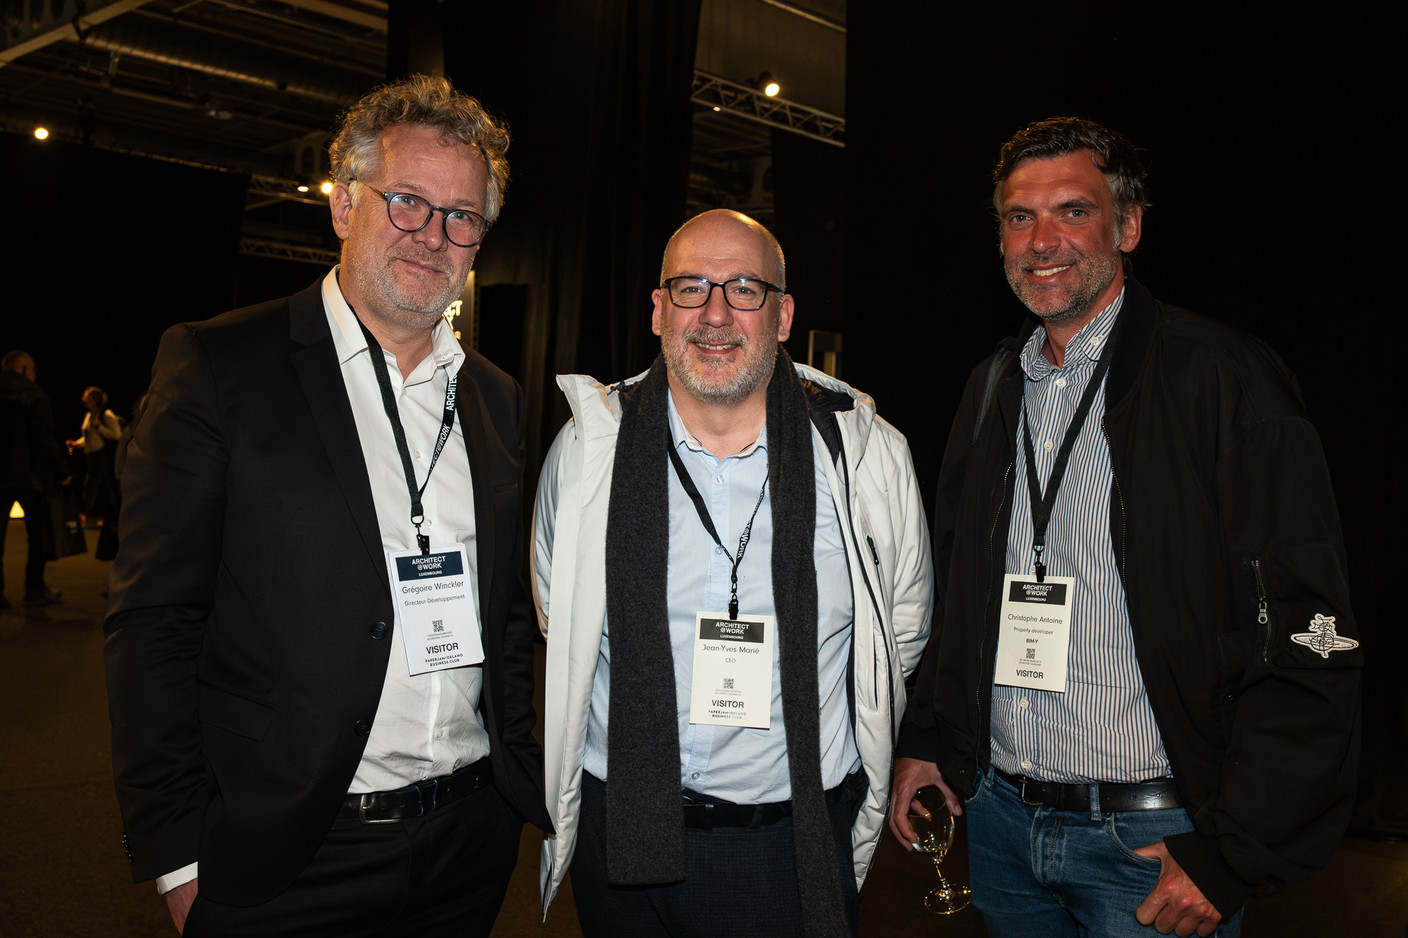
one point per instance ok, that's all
(422, 540)
(1038, 567)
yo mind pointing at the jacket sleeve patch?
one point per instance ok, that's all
(1322, 639)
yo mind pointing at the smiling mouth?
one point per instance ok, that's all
(716, 348)
(1051, 271)
(420, 264)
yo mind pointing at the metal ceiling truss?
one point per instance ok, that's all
(287, 251)
(752, 105)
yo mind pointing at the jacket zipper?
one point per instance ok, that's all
(874, 602)
(987, 607)
(890, 653)
(1262, 615)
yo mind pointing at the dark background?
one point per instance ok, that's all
(1270, 143)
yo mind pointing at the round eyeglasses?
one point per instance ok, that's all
(742, 293)
(409, 212)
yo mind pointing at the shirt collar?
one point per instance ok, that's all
(682, 437)
(1081, 352)
(349, 342)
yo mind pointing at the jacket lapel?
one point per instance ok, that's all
(314, 360)
(476, 436)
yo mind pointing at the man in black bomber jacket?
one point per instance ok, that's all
(1197, 486)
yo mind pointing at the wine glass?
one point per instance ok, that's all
(932, 822)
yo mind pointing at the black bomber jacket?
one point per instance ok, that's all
(1229, 547)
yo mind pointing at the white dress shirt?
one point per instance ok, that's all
(426, 725)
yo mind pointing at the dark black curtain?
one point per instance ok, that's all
(809, 189)
(102, 252)
(597, 99)
(1265, 137)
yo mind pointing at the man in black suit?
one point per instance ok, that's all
(319, 649)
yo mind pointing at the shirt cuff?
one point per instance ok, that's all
(170, 881)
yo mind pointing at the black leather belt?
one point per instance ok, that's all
(708, 814)
(382, 807)
(1114, 796)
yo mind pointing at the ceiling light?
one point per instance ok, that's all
(327, 188)
(302, 188)
(41, 133)
(767, 84)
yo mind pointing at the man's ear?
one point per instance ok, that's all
(340, 204)
(784, 317)
(1131, 227)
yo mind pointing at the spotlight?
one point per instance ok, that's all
(767, 84)
(302, 188)
(326, 188)
(41, 133)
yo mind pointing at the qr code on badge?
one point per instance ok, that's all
(439, 625)
(728, 683)
(1031, 652)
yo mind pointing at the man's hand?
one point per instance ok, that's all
(178, 903)
(1175, 904)
(910, 776)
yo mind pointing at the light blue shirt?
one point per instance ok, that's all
(738, 764)
(1102, 728)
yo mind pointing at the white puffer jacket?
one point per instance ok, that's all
(887, 547)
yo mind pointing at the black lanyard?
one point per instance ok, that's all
(447, 423)
(1042, 505)
(693, 492)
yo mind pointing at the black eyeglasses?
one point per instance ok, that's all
(742, 293)
(410, 212)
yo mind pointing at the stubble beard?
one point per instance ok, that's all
(753, 371)
(1096, 271)
(377, 281)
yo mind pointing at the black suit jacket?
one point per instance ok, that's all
(245, 657)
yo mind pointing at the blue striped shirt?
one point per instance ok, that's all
(1101, 729)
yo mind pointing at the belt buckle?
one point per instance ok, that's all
(1022, 794)
(362, 814)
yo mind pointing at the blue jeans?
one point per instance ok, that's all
(1043, 873)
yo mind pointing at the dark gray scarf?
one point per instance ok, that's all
(644, 820)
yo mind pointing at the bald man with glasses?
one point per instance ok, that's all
(731, 566)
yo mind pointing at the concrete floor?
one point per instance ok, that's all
(62, 871)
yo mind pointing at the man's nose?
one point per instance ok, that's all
(432, 235)
(1045, 235)
(716, 311)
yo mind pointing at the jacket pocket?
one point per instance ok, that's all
(1298, 600)
(229, 711)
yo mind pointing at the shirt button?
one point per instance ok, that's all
(417, 452)
(719, 478)
(1046, 446)
(1026, 765)
(1024, 703)
(377, 630)
(361, 727)
(719, 550)
(440, 733)
(1060, 382)
(694, 775)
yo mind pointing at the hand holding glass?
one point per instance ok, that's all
(933, 824)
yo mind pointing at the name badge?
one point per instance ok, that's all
(1034, 635)
(732, 679)
(439, 625)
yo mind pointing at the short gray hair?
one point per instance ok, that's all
(1113, 155)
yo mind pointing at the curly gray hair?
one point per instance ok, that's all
(433, 102)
